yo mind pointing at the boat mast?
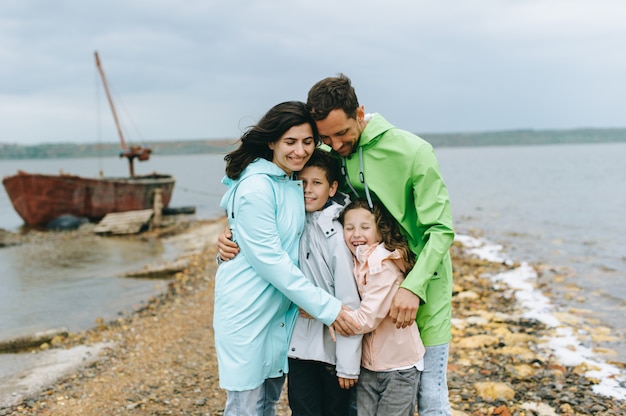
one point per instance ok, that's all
(129, 152)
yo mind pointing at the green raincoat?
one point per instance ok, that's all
(401, 170)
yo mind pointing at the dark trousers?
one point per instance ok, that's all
(314, 390)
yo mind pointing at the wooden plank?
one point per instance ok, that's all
(129, 222)
(155, 271)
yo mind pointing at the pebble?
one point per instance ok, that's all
(164, 361)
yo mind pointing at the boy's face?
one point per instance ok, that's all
(316, 187)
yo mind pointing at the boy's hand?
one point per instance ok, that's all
(346, 383)
(226, 248)
(404, 308)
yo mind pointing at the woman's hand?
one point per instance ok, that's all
(227, 249)
(344, 324)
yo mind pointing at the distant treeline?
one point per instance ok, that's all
(526, 137)
(181, 147)
(71, 150)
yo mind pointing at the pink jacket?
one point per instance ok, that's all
(379, 273)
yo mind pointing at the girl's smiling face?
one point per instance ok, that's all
(359, 228)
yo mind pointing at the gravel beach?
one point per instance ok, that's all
(160, 360)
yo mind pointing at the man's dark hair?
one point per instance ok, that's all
(330, 94)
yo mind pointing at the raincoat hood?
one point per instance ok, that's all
(259, 166)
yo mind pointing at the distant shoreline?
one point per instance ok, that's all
(199, 146)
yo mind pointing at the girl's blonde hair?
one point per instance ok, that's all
(388, 228)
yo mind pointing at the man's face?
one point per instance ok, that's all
(340, 132)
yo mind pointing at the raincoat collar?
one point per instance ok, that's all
(326, 217)
(259, 166)
(376, 126)
(372, 257)
(344, 173)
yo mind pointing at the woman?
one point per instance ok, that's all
(258, 293)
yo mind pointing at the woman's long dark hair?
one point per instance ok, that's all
(388, 228)
(254, 142)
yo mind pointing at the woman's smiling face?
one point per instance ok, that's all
(294, 148)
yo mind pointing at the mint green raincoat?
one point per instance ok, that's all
(257, 294)
(400, 169)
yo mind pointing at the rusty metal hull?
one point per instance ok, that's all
(38, 198)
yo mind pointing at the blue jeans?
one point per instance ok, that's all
(388, 393)
(256, 402)
(432, 397)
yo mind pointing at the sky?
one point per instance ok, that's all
(208, 69)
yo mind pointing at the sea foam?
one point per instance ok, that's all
(564, 343)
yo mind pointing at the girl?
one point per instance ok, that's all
(392, 358)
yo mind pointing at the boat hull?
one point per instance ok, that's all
(39, 198)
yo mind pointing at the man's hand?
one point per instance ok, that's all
(346, 383)
(404, 308)
(226, 248)
(344, 324)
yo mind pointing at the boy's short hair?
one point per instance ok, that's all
(327, 162)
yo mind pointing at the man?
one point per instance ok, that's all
(400, 169)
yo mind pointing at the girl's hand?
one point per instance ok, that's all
(346, 383)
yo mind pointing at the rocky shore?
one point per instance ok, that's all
(160, 360)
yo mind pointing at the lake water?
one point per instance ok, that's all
(555, 205)
(57, 284)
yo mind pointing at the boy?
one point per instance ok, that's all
(322, 372)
